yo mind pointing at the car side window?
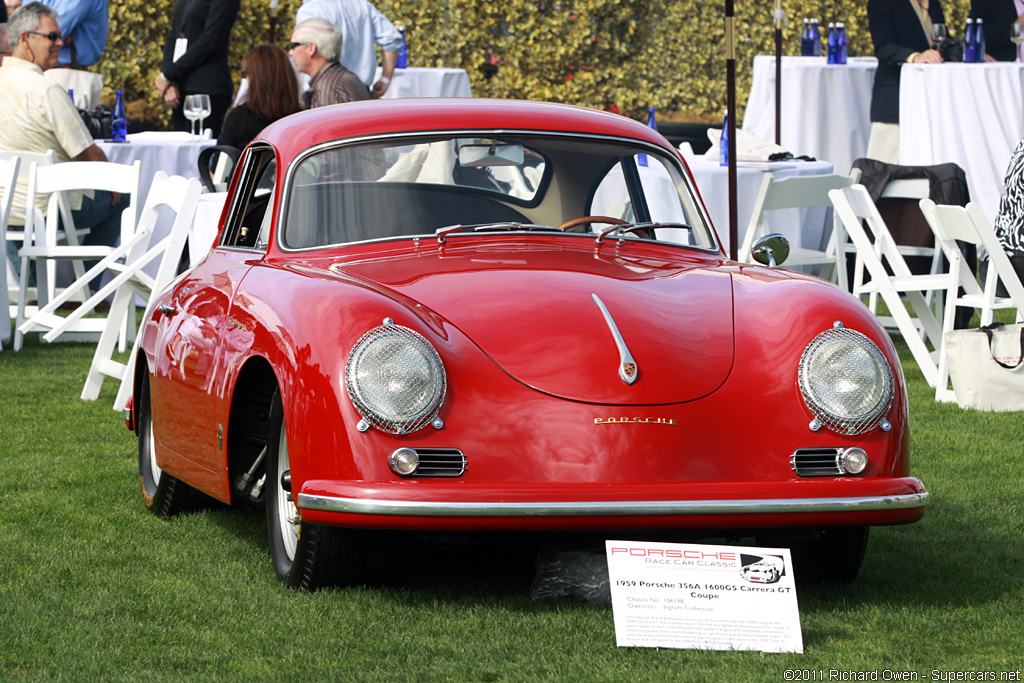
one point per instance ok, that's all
(252, 207)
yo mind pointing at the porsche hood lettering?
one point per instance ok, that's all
(634, 420)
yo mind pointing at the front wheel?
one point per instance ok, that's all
(162, 494)
(833, 557)
(306, 556)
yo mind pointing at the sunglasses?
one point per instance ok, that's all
(52, 36)
(293, 45)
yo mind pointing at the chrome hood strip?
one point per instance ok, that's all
(611, 508)
(628, 371)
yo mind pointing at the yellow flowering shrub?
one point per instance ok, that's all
(623, 55)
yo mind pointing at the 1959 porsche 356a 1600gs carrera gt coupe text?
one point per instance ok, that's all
(479, 316)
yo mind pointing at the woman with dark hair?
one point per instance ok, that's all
(273, 94)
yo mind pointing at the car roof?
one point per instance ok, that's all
(301, 131)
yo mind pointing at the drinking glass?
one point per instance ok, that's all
(193, 110)
(1017, 36)
(939, 36)
(204, 111)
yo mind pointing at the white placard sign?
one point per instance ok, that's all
(706, 597)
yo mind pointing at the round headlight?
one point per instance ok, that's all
(395, 379)
(846, 382)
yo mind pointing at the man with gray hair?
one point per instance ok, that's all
(363, 28)
(315, 47)
(37, 115)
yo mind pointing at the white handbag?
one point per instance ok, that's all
(986, 367)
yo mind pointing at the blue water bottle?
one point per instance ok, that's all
(805, 39)
(970, 51)
(979, 41)
(403, 52)
(815, 39)
(841, 46)
(723, 142)
(832, 44)
(119, 121)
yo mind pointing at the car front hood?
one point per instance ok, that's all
(535, 312)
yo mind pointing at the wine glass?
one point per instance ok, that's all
(939, 36)
(1017, 36)
(193, 110)
(204, 111)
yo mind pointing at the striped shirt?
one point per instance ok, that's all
(334, 84)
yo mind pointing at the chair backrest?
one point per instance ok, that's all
(8, 179)
(794, 192)
(969, 224)
(952, 223)
(85, 175)
(40, 159)
(855, 207)
(181, 195)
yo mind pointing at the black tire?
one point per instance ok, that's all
(162, 494)
(305, 556)
(833, 557)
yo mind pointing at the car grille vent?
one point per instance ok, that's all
(440, 462)
(816, 462)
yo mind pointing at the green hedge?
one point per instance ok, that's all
(618, 54)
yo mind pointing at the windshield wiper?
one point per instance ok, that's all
(441, 233)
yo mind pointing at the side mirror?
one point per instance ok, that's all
(772, 250)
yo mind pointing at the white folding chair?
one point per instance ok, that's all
(16, 234)
(905, 188)
(180, 195)
(41, 241)
(855, 207)
(952, 223)
(8, 179)
(799, 192)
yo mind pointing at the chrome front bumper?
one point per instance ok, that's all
(610, 508)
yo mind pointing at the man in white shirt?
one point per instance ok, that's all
(36, 115)
(362, 28)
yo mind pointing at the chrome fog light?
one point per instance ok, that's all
(404, 461)
(846, 381)
(853, 460)
(395, 379)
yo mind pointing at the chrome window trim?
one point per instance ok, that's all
(611, 508)
(675, 159)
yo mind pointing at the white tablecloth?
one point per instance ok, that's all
(809, 228)
(825, 108)
(172, 153)
(417, 81)
(968, 114)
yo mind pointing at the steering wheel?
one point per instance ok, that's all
(583, 220)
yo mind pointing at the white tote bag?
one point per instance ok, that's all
(985, 365)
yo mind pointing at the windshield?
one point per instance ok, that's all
(404, 188)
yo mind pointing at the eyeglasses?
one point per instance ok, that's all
(52, 36)
(293, 45)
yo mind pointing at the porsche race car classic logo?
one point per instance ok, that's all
(629, 369)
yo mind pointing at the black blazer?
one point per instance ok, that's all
(896, 33)
(997, 16)
(204, 66)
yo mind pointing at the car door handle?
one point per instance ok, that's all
(166, 309)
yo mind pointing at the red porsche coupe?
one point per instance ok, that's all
(474, 315)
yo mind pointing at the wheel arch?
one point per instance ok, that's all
(249, 416)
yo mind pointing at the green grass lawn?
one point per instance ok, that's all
(93, 587)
